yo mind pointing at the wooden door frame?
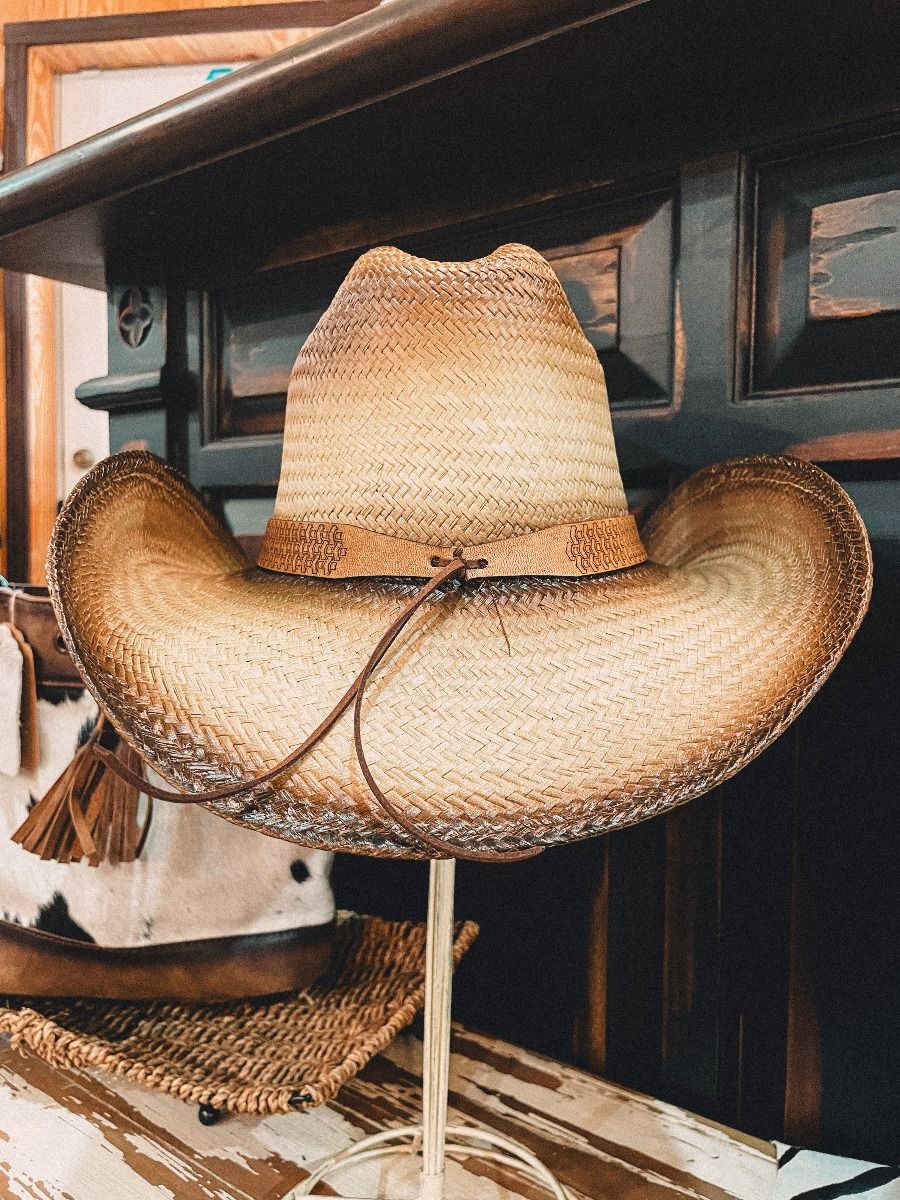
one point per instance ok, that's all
(36, 53)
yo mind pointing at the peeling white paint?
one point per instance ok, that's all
(108, 1137)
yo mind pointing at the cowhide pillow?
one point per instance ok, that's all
(198, 876)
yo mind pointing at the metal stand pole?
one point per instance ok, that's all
(433, 1134)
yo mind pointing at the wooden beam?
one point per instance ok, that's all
(228, 19)
(875, 445)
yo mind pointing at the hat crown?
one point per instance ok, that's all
(449, 403)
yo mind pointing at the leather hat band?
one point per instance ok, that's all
(333, 550)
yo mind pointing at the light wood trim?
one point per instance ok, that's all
(45, 64)
(876, 445)
(41, 306)
(165, 51)
(3, 451)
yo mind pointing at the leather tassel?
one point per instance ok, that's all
(89, 812)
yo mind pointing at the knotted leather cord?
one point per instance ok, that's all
(449, 568)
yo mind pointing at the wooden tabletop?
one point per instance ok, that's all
(83, 1135)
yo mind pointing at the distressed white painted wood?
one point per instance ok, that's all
(85, 1136)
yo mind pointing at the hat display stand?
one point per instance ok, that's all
(434, 1138)
(448, 423)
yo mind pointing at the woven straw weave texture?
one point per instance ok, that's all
(512, 712)
(260, 1056)
(456, 403)
(449, 402)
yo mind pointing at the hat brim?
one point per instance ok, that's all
(512, 713)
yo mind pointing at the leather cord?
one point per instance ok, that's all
(449, 568)
(443, 849)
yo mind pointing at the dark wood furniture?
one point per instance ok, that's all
(718, 185)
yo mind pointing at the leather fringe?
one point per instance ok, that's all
(90, 812)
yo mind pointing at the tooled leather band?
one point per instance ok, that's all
(335, 550)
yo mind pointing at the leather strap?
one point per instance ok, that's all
(333, 550)
(36, 963)
(30, 610)
(448, 569)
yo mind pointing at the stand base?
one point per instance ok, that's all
(461, 1139)
(433, 1137)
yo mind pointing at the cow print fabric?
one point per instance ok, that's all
(810, 1175)
(198, 877)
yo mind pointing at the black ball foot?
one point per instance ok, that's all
(209, 1115)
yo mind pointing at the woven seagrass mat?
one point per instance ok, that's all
(261, 1056)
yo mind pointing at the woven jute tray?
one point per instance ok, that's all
(261, 1056)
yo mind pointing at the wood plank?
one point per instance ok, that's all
(647, 1139)
(111, 1138)
(163, 51)
(102, 20)
(591, 1034)
(869, 445)
(854, 256)
(803, 1066)
(41, 383)
(591, 281)
(15, 337)
(4, 469)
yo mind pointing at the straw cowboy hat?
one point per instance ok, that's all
(455, 642)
